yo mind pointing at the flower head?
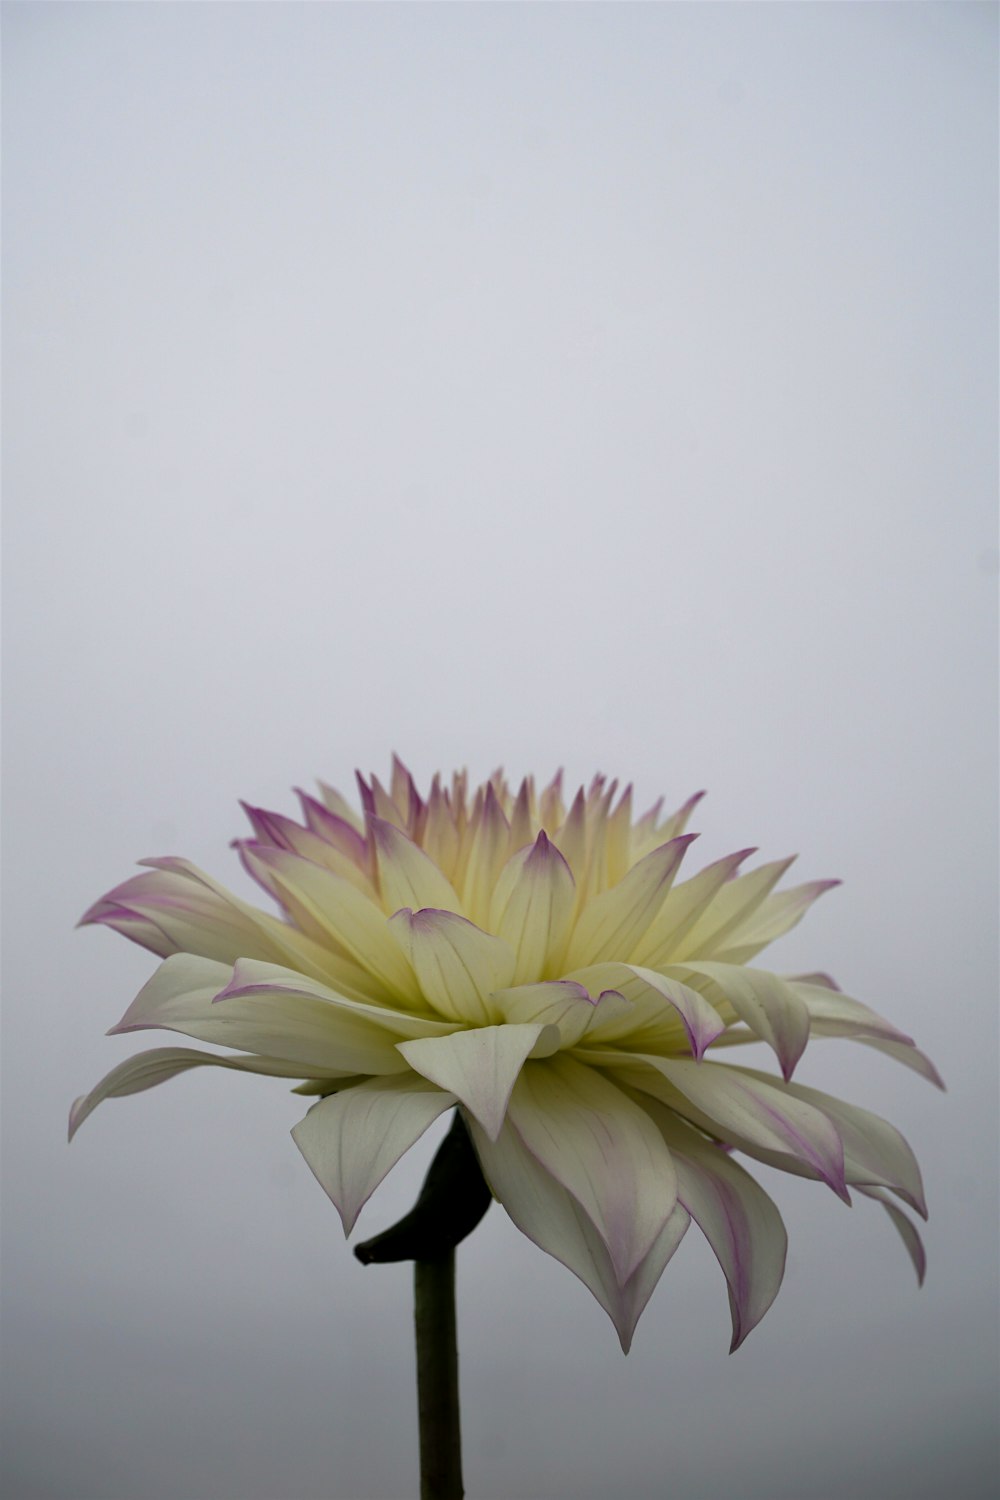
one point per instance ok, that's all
(543, 966)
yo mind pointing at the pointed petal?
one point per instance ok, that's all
(488, 851)
(602, 1148)
(553, 1219)
(909, 1056)
(906, 1230)
(162, 1063)
(682, 909)
(407, 876)
(481, 1066)
(458, 966)
(776, 915)
(736, 902)
(353, 1138)
(764, 1119)
(875, 1154)
(772, 1009)
(337, 912)
(736, 1216)
(531, 908)
(613, 923)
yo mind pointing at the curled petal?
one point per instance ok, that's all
(768, 1005)
(906, 1230)
(353, 1138)
(563, 1003)
(661, 1014)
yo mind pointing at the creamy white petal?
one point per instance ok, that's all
(736, 1216)
(481, 1066)
(554, 1220)
(906, 1230)
(682, 908)
(162, 1063)
(316, 1033)
(563, 1003)
(353, 1138)
(662, 1014)
(776, 915)
(733, 903)
(612, 923)
(758, 1117)
(458, 966)
(334, 910)
(408, 876)
(604, 1150)
(532, 906)
(771, 1008)
(875, 1154)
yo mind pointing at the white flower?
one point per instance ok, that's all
(545, 970)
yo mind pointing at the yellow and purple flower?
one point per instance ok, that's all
(544, 969)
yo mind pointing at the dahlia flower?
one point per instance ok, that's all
(544, 969)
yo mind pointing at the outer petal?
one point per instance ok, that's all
(875, 1154)
(907, 1231)
(532, 907)
(177, 908)
(353, 1138)
(683, 907)
(775, 916)
(156, 1066)
(318, 1034)
(764, 1119)
(734, 902)
(603, 1149)
(458, 966)
(836, 1015)
(551, 1217)
(736, 1216)
(769, 1006)
(407, 876)
(612, 924)
(480, 1067)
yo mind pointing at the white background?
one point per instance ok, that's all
(608, 385)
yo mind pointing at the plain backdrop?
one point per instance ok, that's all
(611, 386)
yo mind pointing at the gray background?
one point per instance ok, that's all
(611, 386)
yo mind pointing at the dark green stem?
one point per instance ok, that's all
(452, 1201)
(437, 1378)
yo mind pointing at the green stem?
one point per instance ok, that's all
(437, 1378)
(452, 1201)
